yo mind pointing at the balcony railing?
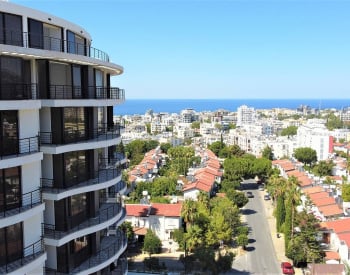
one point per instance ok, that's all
(18, 91)
(122, 265)
(32, 40)
(90, 92)
(75, 135)
(26, 201)
(30, 253)
(106, 212)
(101, 175)
(14, 146)
(110, 246)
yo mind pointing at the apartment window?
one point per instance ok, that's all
(14, 78)
(77, 207)
(11, 29)
(76, 167)
(75, 43)
(9, 133)
(78, 204)
(10, 188)
(75, 124)
(79, 244)
(11, 243)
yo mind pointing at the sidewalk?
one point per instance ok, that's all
(278, 243)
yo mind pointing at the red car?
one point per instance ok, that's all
(287, 268)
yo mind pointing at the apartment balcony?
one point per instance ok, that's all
(104, 177)
(33, 256)
(21, 207)
(35, 41)
(18, 91)
(90, 92)
(18, 151)
(111, 248)
(76, 135)
(75, 139)
(108, 214)
(122, 265)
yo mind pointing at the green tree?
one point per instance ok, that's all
(323, 168)
(165, 147)
(237, 197)
(289, 131)
(305, 155)
(345, 192)
(280, 213)
(189, 212)
(152, 244)
(267, 153)
(242, 240)
(195, 125)
(127, 228)
(334, 122)
(216, 147)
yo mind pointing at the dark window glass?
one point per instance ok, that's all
(77, 204)
(76, 167)
(11, 29)
(71, 48)
(14, 78)
(10, 188)
(77, 81)
(11, 243)
(35, 34)
(9, 133)
(2, 37)
(74, 121)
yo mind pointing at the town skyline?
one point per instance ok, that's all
(219, 49)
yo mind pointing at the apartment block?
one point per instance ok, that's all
(60, 187)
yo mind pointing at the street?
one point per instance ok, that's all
(260, 257)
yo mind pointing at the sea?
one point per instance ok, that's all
(141, 106)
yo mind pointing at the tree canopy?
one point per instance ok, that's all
(289, 131)
(152, 244)
(305, 155)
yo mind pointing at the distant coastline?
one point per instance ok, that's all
(140, 106)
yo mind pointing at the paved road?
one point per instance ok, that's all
(260, 257)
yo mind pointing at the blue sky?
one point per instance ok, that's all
(219, 49)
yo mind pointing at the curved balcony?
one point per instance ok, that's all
(33, 40)
(110, 250)
(20, 207)
(13, 146)
(31, 253)
(76, 135)
(108, 214)
(105, 177)
(90, 92)
(122, 265)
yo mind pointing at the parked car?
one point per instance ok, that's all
(250, 194)
(267, 197)
(287, 268)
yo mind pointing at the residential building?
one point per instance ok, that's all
(55, 90)
(245, 115)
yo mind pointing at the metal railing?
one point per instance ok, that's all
(33, 40)
(29, 254)
(14, 146)
(110, 246)
(18, 91)
(74, 134)
(90, 92)
(25, 202)
(106, 212)
(100, 175)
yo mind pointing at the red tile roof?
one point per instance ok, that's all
(338, 226)
(157, 209)
(323, 201)
(330, 210)
(311, 190)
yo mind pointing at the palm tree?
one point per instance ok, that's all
(189, 212)
(293, 196)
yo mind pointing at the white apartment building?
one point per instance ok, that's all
(59, 202)
(245, 115)
(315, 135)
